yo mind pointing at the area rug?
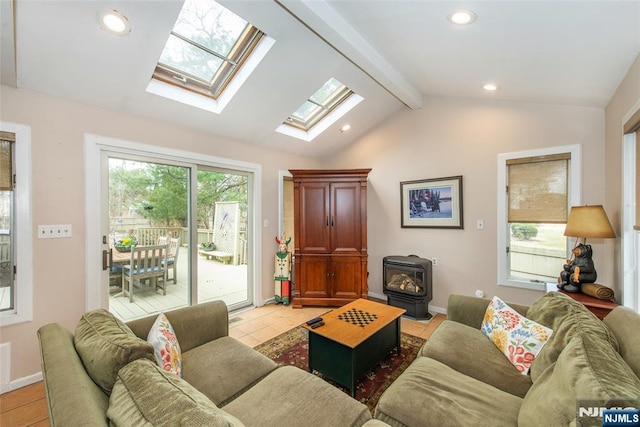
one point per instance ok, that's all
(292, 348)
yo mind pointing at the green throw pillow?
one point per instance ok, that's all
(105, 344)
(588, 369)
(146, 395)
(567, 318)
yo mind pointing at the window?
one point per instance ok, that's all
(321, 103)
(631, 211)
(16, 246)
(539, 187)
(210, 53)
(7, 300)
(207, 46)
(329, 103)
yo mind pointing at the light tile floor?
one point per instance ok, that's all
(258, 325)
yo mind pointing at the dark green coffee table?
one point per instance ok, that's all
(353, 340)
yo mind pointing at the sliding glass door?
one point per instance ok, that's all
(222, 236)
(198, 213)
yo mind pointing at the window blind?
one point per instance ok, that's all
(538, 189)
(6, 160)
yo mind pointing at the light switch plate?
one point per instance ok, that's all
(54, 231)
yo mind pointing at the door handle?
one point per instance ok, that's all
(327, 220)
(106, 259)
(332, 221)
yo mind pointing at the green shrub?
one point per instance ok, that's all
(524, 231)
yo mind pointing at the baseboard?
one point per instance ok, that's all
(383, 297)
(21, 382)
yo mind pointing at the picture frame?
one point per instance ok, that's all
(432, 203)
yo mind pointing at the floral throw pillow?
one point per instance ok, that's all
(165, 345)
(519, 338)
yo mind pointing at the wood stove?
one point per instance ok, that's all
(408, 284)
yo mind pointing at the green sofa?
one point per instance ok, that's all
(461, 378)
(224, 382)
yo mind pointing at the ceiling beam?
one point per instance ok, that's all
(331, 27)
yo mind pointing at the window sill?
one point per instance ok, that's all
(533, 286)
(13, 319)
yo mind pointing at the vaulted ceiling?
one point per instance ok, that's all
(392, 52)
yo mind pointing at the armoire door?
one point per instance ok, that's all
(346, 277)
(345, 218)
(316, 271)
(314, 217)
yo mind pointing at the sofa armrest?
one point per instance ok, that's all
(73, 398)
(467, 310)
(470, 310)
(194, 325)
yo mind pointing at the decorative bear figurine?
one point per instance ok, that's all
(581, 270)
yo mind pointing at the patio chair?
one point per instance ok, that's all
(172, 257)
(146, 262)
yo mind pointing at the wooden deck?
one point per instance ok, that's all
(216, 281)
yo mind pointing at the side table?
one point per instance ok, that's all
(599, 307)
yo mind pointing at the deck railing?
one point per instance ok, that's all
(149, 236)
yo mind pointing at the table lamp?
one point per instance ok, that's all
(583, 222)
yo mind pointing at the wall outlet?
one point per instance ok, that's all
(434, 261)
(54, 231)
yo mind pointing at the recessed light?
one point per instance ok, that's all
(462, 17)
(345, 128)
(114, 22)
(490, 87)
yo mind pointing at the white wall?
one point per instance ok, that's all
(57, 131)
(464, 137)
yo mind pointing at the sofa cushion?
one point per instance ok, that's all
(429, 393)
(518, 338)
(293, 397)
(223, 368)
(474, 355)
(165, 345)
(587, 369)
(567, 318)
(624, 323)
(105, 344)
(147, 395)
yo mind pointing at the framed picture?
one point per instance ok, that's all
(432, 203)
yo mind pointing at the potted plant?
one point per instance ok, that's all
(208, 246)
(125, 244)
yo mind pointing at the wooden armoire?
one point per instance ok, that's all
(330, 235)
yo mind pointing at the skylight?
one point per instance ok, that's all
(206, 49)
(321, 103)
(328, 104)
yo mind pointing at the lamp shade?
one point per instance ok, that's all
(589, 221)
